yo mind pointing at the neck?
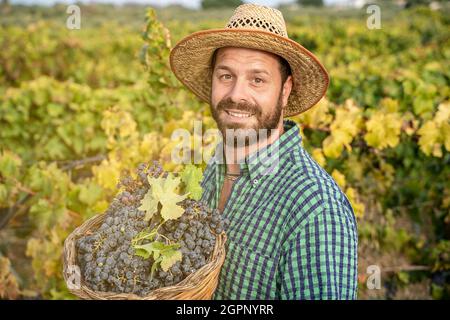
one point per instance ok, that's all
(236, 155)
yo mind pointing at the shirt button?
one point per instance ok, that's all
(255, 181)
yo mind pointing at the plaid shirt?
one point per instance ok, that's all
(292, 233)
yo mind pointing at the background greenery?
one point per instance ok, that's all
(78, 107)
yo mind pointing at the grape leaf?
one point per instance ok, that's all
(383, 130)
(169, 258)
(191, 177)
(156, 248)
(9, 164)
(90, 193)
(152, 248)
(170, 210)
(429, 136)
(142, 253)
(154, 266)
(149, 205)
(145, 235)
(3, 195)
(164, 255)
(163, 191)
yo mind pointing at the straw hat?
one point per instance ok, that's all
(255, 27)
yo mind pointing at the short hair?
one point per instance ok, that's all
(285, 68)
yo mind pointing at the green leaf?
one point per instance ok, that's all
(9, 164)
(89, 194)
(437, 292)
(55, 110)
(41, 213)
(403, 277)
(156, 247)
(55, 148)
(191, 177)
(3, 195)
(144, 235)
(163, 254)
(142, 253)
(155, 265)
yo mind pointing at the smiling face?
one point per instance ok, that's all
(247, 91)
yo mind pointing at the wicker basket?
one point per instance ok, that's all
(200, 285)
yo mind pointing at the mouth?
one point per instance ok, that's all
(239, 114)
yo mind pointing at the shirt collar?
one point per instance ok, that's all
(266, 161)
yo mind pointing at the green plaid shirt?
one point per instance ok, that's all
(292, 233)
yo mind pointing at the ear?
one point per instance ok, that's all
(286, 90)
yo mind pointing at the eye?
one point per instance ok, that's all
(225, 76)
(259, 80)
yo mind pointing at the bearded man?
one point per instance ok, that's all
(292, 232)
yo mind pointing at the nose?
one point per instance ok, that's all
(239, 93)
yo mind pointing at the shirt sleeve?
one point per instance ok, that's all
(320, 260)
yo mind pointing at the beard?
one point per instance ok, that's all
(254, 129)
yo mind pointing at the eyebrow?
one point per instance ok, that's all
(259, 71)
(222, 67)
(255, 70)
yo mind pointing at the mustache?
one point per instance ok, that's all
(244, 107)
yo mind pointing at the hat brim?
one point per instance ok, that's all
(190, 61)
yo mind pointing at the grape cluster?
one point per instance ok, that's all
(196, 232)
(107, 258)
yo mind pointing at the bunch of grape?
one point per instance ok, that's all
(107, 258)
(195, 231)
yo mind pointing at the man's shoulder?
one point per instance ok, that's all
(305, 172)
(313, 188)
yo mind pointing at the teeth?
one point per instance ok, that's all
(239, 115)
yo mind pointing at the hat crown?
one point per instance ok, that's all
(252, 16)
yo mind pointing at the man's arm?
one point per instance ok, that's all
(320, 261)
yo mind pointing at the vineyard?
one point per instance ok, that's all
(79, 109)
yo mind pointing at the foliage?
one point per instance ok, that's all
(314, 3)
(208, 4)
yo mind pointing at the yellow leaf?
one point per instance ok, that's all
(107, 173)
(170, 210)
(149, 205)
(445, 129)
(317, 154)
(429, 134)
(443, 113)
(316, 117)
(383, 130)
(389, 105)
(437, 150)
(170, 258)
(358, 207)
(344, 128)
(339, 178)
(163, 191)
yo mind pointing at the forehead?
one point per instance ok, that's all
(246, 56)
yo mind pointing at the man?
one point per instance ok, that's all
(292, 232)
